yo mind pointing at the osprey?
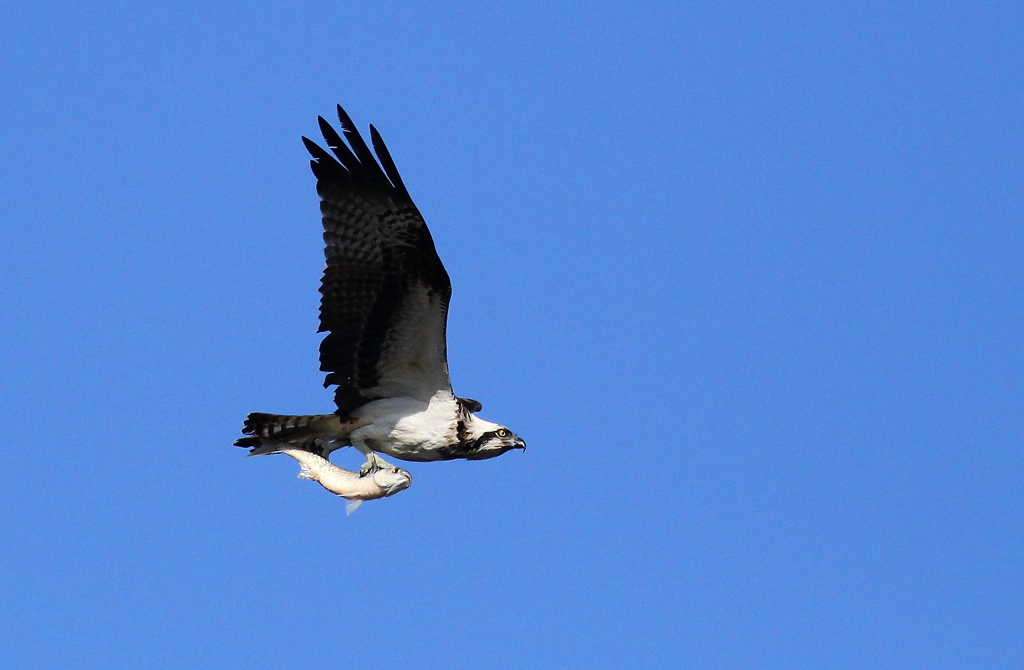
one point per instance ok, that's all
(384, 308)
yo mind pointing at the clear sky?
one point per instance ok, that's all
(746, 276)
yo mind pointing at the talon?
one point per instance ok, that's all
(317, 446)
(373, 464)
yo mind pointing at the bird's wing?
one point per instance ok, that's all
(385, 290)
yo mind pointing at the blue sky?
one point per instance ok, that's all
(746, 276)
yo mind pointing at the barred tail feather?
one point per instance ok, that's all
(262, 446)
(270, 425)
(272, 432)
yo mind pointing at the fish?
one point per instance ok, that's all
(386, 480)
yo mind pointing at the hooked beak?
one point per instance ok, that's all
(520, 444)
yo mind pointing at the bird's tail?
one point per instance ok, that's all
(272, 432)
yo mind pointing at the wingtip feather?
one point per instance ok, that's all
(390, 169)
(346, 120)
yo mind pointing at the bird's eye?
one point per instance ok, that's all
(502, 433)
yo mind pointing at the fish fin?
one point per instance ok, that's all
(352, 506)
(304, 472)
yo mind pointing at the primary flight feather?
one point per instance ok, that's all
(384, 308)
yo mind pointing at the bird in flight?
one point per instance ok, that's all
(384, 307)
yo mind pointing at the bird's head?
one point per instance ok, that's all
(492, 440)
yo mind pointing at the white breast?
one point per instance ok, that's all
(409, 429)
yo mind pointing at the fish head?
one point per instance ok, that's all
(392, 480)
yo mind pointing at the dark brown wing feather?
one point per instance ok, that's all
(385, 291)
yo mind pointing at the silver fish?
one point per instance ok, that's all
(385, 481)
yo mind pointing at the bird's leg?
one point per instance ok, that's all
(318, 447)
(373, 461)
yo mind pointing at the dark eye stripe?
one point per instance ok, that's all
(478, 442)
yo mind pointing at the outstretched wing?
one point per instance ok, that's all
(385, 291)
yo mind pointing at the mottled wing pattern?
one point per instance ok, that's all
(385, 291)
